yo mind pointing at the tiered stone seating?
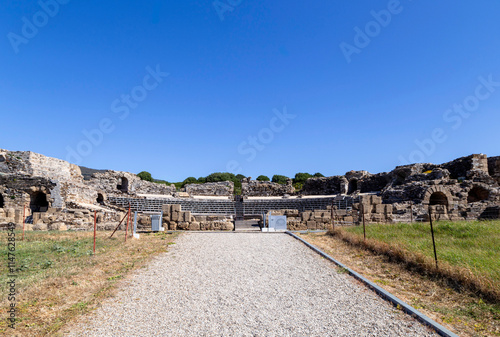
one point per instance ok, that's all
(228, 207)
(195, 206)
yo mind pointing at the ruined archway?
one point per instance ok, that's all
(438, 198)
(353, 186)
(100, 199)
(1, 201)
(38, 202)
(123, 185)
(478, 193)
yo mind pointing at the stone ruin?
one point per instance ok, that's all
(255, 188)
(56, 196)
(224, 188)
(176, 219)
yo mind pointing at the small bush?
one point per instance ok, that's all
(145, 176)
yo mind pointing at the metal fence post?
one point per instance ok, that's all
(433, 241)
(411, 211)
(135, 222)
(364, 228)
(95, 228)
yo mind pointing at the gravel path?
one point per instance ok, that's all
(240, 284)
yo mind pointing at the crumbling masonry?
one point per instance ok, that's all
(54, 195)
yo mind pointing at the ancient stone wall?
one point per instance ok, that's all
(494, 168)
(325, 186)
(374, 182)
(174, 218)
(314, 220)
(459, 167)
(69, 186)
(255, 188)
(223, 188)
(16, 190)
(118, 183)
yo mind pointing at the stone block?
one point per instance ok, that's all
(367, 209)
(176, 208)
(194, 226)
(380, 208)
(183, 225)
(40, 227)
(172, 225)
(58, 226)
(306, 216)
(18, 217)
(340, 212)
(166, 209)
(311, 225)
(175, 216)
(322, 226)
(376, 200)
(388, 209)
(227, 226)
(200, 218)
(143, 220)
(186, 216)
(365, 199)
(348, 219)
(205, 226)
(292, 213)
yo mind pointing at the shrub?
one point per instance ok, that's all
(300, 178)
(263, 178)
(189, 180)
(280, 179)
(145, 176)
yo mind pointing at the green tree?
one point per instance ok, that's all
(189, 180)
(263, 178)
(300, 178)
(280, 179)
(221, 176)
(318, 175)
(240, 177)
(202, 180)
(145, 176)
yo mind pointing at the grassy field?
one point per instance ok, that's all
(470, 250)
(58, 277)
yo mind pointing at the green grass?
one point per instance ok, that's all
(472, 245)
(42, 254)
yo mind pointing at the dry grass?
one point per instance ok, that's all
(460, 310)
(59, 278)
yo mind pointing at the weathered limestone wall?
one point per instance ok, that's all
(67, 177)
(176, 219)
(16, 190)
(319, 219)
(255, 188)
(223, 188)
(55, 219)
(113, 183)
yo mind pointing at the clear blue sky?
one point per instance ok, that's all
(69, 71)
